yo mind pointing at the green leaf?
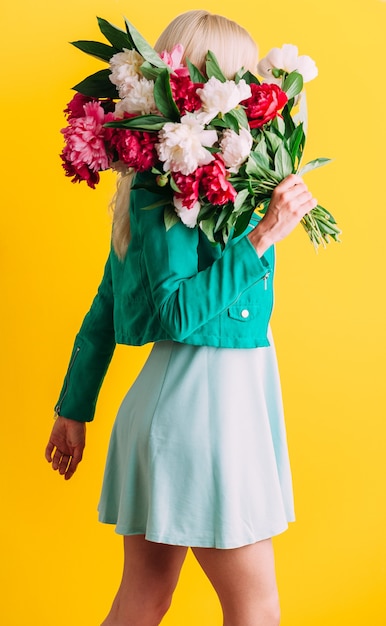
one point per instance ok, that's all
(116, 36)
(283, 162)
(222, 219)
(141, 122)
(205, 212)
(149, 71)
(170, 217)
(240, 200)
(239, 75)
(213, 149)
(217, 122)
(257, 167)
(240, 115)
(222, 236)
(295, 143)
(212, 67)
(231, 122)
(195, 75)
(163, 97)
(273, 141)
(293, 84)
(207, 226)
(278, 125)
(312, 165)
(261, 149)
(97, 85)
(242, 223)
(174, 185)
(289, 125)
(145, 49)
(247, 76)
(96, 49)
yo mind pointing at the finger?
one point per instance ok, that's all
(74, 462)
(290, 181)
(286, 195)
(48, 452)
(71, 469)
(307, 202)
(64, 461)
(56, 459)
(299, 198)
(72, 466)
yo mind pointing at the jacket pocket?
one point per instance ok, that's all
(244, 312)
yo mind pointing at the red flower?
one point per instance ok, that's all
(188, 186)
(85, 153)
(184, 93)
(135, 148)
(214, 182)
(75, 106)
(264, 104)
(80, 172)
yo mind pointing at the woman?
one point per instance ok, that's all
(198, 453)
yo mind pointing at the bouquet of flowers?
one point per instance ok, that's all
(216, 148)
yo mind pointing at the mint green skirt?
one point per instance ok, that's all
(198, 453)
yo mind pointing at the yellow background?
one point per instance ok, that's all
(59, 566)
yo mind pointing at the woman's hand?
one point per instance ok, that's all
(290, 202)
(65, 446)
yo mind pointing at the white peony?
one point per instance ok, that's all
(187, 216)
(125, 67)
(181, 146)
(286, 58)
(235, 148)
(218, 97)
(139, 99)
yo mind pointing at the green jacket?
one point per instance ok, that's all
(172, 285)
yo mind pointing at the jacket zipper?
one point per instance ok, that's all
(265, 278)
(59, 405)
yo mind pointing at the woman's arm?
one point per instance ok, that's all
(185, 296)
(91, 355)
(189, 281)
(93, 348)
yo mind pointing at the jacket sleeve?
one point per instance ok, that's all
(186, 297)
(91, 355)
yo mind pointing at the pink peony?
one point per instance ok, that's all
(85, 151)
(174, 60)
(264, 104)
(214, 182)
(185, 93)
(135, 148)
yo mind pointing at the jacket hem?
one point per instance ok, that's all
(202, 340)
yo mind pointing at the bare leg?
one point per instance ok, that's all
(150, 575)
(245, 582)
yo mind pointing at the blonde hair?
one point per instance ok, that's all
(198, 31)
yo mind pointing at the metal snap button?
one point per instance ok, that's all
(245, 313)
